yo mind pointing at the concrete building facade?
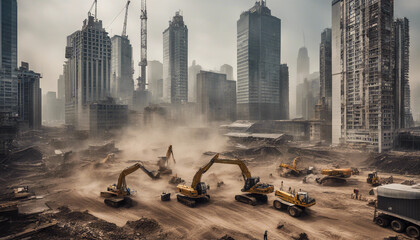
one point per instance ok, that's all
(403, 115)
(175, 61)
(8, 57)
(29, 98)
(258, 64)
(325, 71)
(122, 83)
(362, 63)
(228, 70)
(216, 97)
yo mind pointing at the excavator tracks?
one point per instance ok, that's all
(191, 202)
(252, 199)
(117, 202)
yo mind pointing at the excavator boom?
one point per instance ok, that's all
(202, 170)
(245, 171)
(170, 153)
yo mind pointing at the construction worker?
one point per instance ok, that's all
(281, 186)
(265, 235)
(356, 193)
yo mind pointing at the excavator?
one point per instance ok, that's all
(163, 162)
(292, 168)
(373, 179)
(337, 175)
(295, 203)
(254, 190)
(119, 194)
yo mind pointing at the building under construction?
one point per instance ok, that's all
(362, 57)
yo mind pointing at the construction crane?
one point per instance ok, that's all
(141, 84)
(95, 3)
(119, 194)
(124, 32)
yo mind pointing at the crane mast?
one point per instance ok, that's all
(124, 32)
(95, 2)
(143, 47)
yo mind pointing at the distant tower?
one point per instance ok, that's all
(302, 74)
(258, 61)
(193, 70)
(175, 61)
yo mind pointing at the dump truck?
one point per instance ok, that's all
(294, 203)
(398, 206)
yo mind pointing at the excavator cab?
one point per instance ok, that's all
(201, 188)
(304, 198)
(250, 182)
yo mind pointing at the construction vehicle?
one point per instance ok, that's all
(373, 179)
(163, 162)
(398, 206)
(294, 203)
(119, 194)
(255, 191)
(336, 175)
(293, 169)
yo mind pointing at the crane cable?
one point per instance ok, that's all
(116, 16)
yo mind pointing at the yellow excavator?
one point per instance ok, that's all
(293, 169)
(119, 194)
(163, 162)
(336, 175)
(373, 179)
(295, 203)
(255, 191)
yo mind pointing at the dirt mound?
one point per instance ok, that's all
(144, 226)
(401, 163)
(226, 237)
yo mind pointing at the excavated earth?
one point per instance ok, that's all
(68, 189)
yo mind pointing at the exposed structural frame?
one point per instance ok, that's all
(143, 47)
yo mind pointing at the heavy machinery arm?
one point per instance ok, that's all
(121, 185)
(245, 171)
(169, 153)
(292, 167)
(202, 170)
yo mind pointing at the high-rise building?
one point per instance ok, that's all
(362, 68)
(193, 70)
(325, 71)
(175, 61)
(216, 96)
(228, 70)
(29, 97)
(310, 95)
(155, 80)
(284, 92)
(258, 64)
(122, 83)
(87, 79)
(302, 74)
(61, 88)
(403, 116)
(8, 57)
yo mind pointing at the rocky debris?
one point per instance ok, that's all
(302, 236)
(408, 182)
(144, 226)
(395, 162)
(226, 237)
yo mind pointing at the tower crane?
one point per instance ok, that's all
(124, 32)
(95, 3)
(143, 47)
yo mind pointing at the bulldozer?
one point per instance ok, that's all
(255, 192)
(373, 179)
(335, 175)
(294, 203)
(293, 169)
(163, 162)
(119, 194)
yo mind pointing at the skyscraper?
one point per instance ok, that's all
(155, 80)
(228, 70)
(284, 92)
(258, 64)
(362, 63)
(87, 71)
(122, 83)
(8, 57)
(325, 71)
(175, 61)
(302, 74)
(193, 70)
(403, 116)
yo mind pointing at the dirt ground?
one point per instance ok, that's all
(335, 215)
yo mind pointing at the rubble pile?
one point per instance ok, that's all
(394, 162)
(83, 225)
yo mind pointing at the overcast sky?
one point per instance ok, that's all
(45, 24)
